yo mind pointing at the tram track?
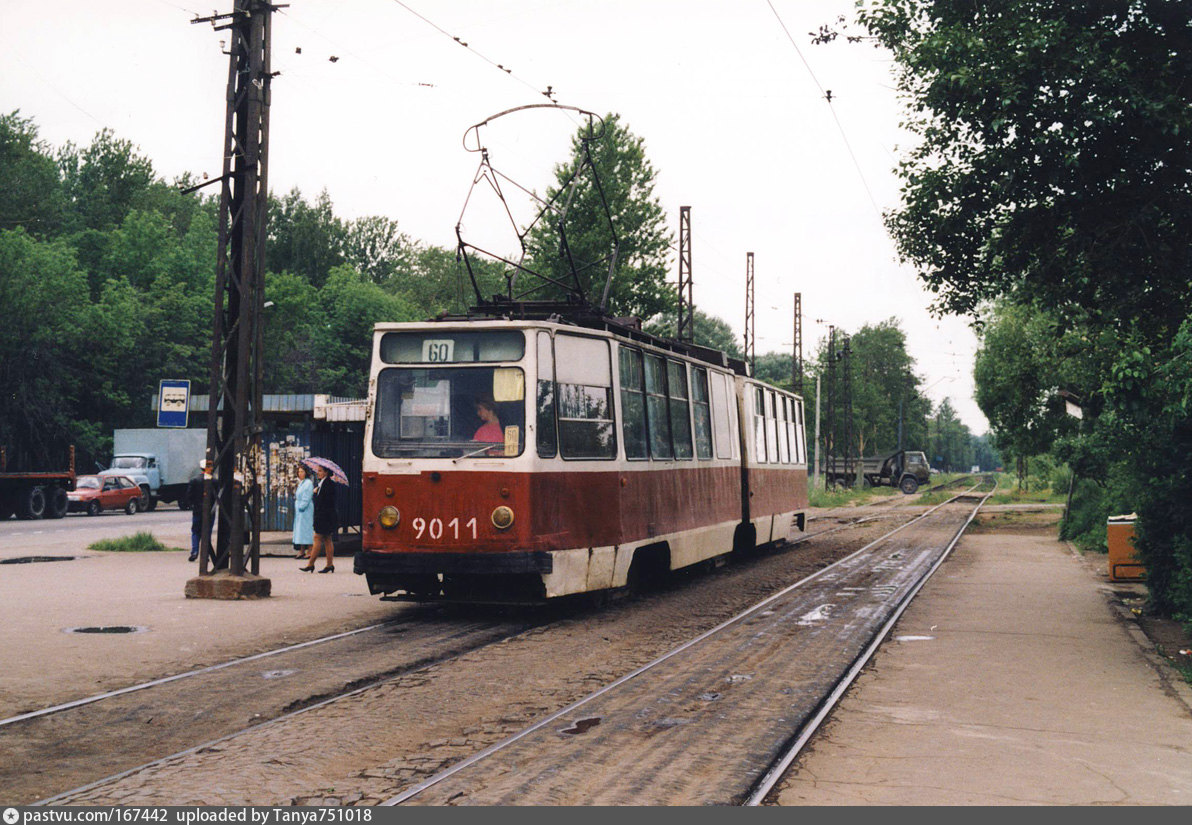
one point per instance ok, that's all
(698, 724)
(78, 744)
(178, 777)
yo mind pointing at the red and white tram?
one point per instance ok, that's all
(520, 461)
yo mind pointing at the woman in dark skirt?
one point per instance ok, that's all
(326, 522)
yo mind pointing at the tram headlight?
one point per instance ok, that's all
(502, 518)
(389, 517)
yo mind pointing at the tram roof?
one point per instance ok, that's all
(564, 315)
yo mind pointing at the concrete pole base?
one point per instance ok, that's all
(224, 585)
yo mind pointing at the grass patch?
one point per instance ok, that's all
(935, 497)
(1035, 522)
(137, 543)
(1044, 496)
(844, 497)
(1185, 670)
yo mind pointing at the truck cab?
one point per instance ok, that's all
(909, 469)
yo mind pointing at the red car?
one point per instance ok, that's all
(93, 494)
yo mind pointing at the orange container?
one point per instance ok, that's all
(1124, 565)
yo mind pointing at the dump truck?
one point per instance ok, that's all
(32, 492)
(160, 461)
(905, 469)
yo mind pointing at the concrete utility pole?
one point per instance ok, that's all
(750, 337)
(686, 327)
(232, 495)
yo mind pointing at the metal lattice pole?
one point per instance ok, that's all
(797, 356)
(750, 336)
(830, 411)
(685, 330)
(234, 398)
(852, 463)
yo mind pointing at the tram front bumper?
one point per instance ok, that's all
(371, 562)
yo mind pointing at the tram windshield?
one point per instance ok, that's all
(450, 412)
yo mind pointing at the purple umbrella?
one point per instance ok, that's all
(336, 472)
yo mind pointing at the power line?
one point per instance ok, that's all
(342, 50)
(827, 96)
(548, 94)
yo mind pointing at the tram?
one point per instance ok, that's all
(524, 460)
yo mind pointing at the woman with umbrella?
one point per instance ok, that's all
(326, 521)
(304, 514)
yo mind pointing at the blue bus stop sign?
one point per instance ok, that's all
(173, 403)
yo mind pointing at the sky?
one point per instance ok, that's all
(374, 98)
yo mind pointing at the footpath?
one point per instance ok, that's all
(1014, 678)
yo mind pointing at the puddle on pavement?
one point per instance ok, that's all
(581, 726)
(116, 628)
(277, 674)
(36, 559)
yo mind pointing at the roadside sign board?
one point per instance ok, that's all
(173, 403)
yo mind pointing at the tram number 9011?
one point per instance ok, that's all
(436, 528)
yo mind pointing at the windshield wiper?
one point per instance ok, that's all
(483, 449)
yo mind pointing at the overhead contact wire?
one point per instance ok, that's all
(500, 66)
(823, 93)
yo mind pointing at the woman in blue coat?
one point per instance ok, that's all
(304, 513)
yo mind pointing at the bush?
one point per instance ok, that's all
(1084, 524)
(1061, 477)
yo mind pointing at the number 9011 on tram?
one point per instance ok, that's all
(522, 461)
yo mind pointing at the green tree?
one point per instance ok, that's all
(774, 368)
(375, 247)
(30, 191)
(352, 305)
(104, 182)
(1053, 168)
(886, 392)
(709, 331)
(303, 238)
(626, 193)
(1054, 159)
(1017, 385)
(439, 282)
(44, 344)
(885, 387)
(297, 341)
(950, 447)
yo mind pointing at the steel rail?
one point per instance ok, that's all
(779, 768)
(34, 714)
(426, 665)
(504, 743)
(99, 697)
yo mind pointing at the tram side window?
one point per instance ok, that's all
(801, 432)
(680, 409)
(771, 430)
(759, 425)
(720, 416)
(584, 380)
(702, 413)
(784, 443)
(792, 432)
(657, 417)
(548, 438)
(633, 404)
